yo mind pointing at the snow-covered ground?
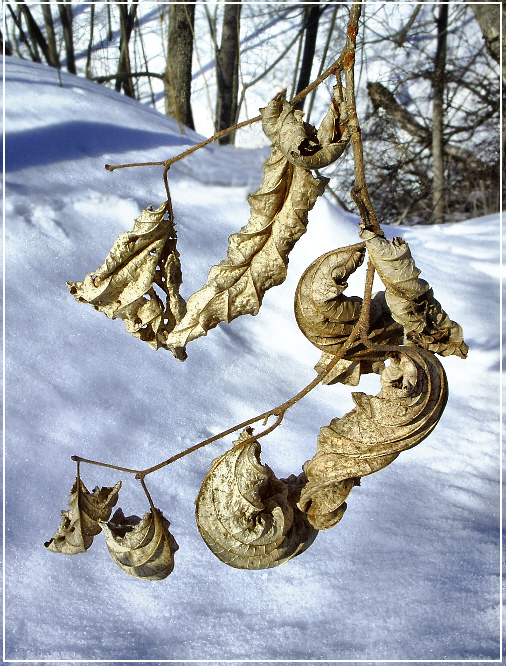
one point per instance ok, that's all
(412, 570)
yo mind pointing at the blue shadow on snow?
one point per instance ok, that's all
(78, 140)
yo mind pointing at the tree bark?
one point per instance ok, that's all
(65, 10)
(312, 15)
(227, 71)
(123, 78)
(489, 21)
(90, 42)
(178, 73)
(438, 182)
(54, 59)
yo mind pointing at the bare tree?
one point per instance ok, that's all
(227, 70)
(53, 57)
(65, 9)
(432, 138)
(178, 73)
(127, 22)
(312, 15)
(438, 179)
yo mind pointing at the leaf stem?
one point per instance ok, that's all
(280, 410)
(78, 459)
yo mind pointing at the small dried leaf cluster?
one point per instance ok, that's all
(143, 548)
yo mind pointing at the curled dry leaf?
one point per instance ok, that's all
(257, 256)
(327, 317)
(124, 286)
(247, 516)
(407, 409)
(299, 141)
(81, 523)
(144, 548)
(411, 300)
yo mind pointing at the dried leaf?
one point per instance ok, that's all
(407, 409)
(257, 255)
(411, 300)
(144, 548)
(299, 141)
(327, 317)
(124, 286)
(81, 523)
(247, 516)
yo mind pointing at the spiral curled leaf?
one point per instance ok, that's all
(124, 285)
(257, 256)
(299, 141)
(368, 438)
(327, 317)
(81, 522)
(143, 548)
(246, 515)
(411, 300)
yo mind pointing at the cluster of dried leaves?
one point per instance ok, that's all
(145, 259)
(143, 548)
(248, 517)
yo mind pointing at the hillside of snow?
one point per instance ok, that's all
(412, 570)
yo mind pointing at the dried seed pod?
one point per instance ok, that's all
(407, 409)
(143, 548)
(247, 516)
(327, 317)
(81, 523)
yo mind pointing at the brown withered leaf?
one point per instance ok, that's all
(299, 141)
(327, 317)
(81, 523)
(257, 256)
(246, 515)
(413, 396)
(411, 300)
(124, 285)
(143, 548)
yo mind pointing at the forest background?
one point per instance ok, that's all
(428, 85)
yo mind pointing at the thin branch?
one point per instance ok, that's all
(335, 67)
(125, 75)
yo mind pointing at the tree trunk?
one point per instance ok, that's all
(5, 45)
(65, 10)
(438, 184)
(489, 21)
(312, 15)
(178, 73)
(22, 35)
(36, 36)
(123, 78)
(227, 71)
(54, 59)
(90, 42)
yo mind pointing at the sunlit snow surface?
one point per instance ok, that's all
(412, 570)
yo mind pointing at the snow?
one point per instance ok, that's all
(412, 570)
